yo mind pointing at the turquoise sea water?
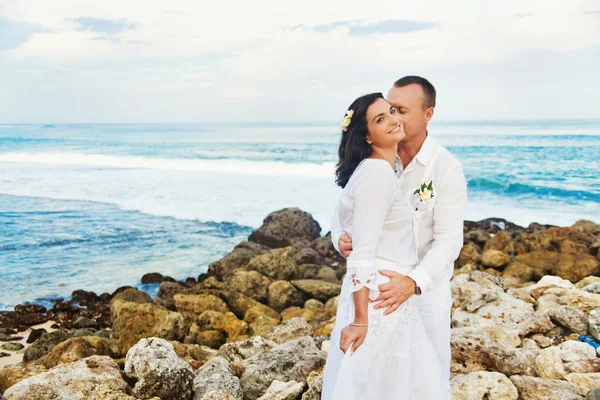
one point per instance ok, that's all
(96, 206)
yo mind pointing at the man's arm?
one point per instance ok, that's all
(448, 220)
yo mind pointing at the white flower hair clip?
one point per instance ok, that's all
(346, 121)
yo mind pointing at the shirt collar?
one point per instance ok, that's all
(424, 153)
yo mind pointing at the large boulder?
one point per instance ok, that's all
(584, 301)
(132, 295)
(78, 348)
(502, 241)
(486, 305)
(276, 264)
(260, 324)
(14, 374)
(209, 320)
(291, 329)
(474, 350)
(216, 380)
(251, 283)
(239, 304)
(318, 290)
(531, 388)
(290, 361)
(234, 328)
(237, 259)
(518, 272)
(574, 350)
(588, 226)
(239, 351)
(494, 258)
(307, 255)
(282, 294)
(81, 380)
(166, 291)
(212, 338)
(575, 267)
(585, 382)
(192, 305)
(324, 247)
(315, 386)
(159, 371)
(134, 321)
(283, 390)
(552, 237)
(468, 255)
(285, 227)
(549, 365)
(541, 261)
(571, 318)
(483, 385)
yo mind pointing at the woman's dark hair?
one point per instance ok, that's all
(353, 146)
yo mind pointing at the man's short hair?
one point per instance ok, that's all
(428, 89)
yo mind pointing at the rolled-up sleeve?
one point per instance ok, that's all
(373, 195)
(448, 219)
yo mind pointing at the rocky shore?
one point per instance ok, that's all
(525, 322)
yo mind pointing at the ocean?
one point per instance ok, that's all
(95, 206)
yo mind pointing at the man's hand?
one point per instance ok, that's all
(345, 245)
(395, 292)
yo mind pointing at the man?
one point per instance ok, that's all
(433, 180)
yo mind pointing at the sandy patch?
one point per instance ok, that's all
(17, 356)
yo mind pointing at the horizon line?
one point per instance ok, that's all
(316, 122)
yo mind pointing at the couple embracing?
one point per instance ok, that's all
(399, 222)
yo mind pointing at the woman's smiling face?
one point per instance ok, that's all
(384, 124)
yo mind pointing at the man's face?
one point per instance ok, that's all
(409, 101)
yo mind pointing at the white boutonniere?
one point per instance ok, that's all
(425, 193)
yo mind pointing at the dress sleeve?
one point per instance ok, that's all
(373, 194)
(336, 228)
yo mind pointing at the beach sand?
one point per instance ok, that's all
(17, 356)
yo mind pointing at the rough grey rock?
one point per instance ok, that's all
(239, 351)
(159, 371)
(81, 380)
(571, 318)
(291, 329)
(483, 385)
(216, 380)
(531, 388)
(290, 361)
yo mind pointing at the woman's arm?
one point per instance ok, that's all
(373, 192)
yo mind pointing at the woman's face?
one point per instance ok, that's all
(384, 124)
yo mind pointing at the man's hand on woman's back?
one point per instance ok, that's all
(345, 245)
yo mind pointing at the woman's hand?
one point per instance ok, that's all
(352, 336)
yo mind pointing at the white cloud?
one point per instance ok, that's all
(193, 61)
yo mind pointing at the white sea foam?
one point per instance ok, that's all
(233, 166)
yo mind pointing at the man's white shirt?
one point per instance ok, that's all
(437, 224)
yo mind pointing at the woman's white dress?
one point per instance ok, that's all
(397, 361)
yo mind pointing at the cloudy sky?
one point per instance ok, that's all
(269, 60)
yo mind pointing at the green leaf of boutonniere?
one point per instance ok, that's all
(417, 191)
(430, 186)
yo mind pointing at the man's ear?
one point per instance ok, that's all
(429, 114)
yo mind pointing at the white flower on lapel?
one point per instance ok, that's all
(425, 192)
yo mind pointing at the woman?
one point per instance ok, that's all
(373, 356)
